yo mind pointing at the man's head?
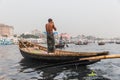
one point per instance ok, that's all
(49, 20)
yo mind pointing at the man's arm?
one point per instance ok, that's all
(55, 28)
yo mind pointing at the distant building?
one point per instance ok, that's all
(6, 30)
(65, 36)
(37, 32)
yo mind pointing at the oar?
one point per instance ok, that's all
(67, 63)
(102, 57)
(81, 60)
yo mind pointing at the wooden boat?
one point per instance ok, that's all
(81, 43)
(35, 51)
(101, 43)
(117, 42)
(59, 45)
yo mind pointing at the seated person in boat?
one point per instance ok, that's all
(50, 36)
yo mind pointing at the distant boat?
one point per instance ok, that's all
(117, 42)
(81, 43)
(101, 43)
(61, 43)
(6, 41)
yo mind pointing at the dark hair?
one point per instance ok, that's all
(49, 20)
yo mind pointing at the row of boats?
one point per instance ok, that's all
(99, 43)
(60, 44)
(103, 43)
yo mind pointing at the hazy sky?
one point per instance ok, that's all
(99, 18)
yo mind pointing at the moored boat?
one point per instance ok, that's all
(117, 42)
(101, 43)
(59, 45)
(81, 43)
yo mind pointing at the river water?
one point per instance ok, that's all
(14, 67)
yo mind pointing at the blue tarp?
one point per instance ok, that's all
(55, 33)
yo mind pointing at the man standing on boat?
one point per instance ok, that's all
(50, 35)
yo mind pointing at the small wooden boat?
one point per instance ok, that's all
(81, 43)
(101, 43)
(59, 45)
(34, 51)
(117, 42)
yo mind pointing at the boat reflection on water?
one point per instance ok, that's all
(47, 71)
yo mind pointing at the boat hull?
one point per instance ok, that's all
(47, 57)
(43, 64)
(59, 46)
(57, 60)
